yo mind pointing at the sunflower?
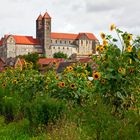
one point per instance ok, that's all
(122, 71)
(97, 48)
(72, 86)
(129, 48)
(105, 43)
(101, 48)
(57, 77)
(3, 85)
(14, 81)
(69, 68)
(129, 37)
(103, 81)
(102, 35)
(112, 27)
(96, 75)
(61, 84)
(119, 69)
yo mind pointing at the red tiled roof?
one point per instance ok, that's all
(85, 60)
(27, 40)
(39, 17)
(49, 60)
(63, 36)
(46, 15)
(72, 36)
(89, 36)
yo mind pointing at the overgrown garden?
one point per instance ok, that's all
(98, 100)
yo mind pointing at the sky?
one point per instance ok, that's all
(70, 16)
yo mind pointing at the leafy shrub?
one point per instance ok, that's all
(117, 77)
(60, 55)
(42, 110)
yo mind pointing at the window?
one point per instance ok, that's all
(56, 41)
(65, 42)
(81, 42)
(60, 42)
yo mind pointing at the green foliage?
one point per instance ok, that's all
(119, 70)
(43, 110)
(60, 55)
(14, 130)
(72, 104)
(32, 58)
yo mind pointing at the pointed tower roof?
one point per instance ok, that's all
(39, 17)
(46, 15)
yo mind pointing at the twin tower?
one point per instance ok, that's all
(43, 33)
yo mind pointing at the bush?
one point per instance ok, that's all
(60, 55)
(42, 110)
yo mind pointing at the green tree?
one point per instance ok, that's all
(31, 57)
(60, 55)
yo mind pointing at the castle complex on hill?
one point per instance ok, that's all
(47, 43)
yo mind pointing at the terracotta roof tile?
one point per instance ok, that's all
(72, 36)
(44, 61)
(63, 36)
(89, 36)
(27, 40)
(39, 17)
(46, 15)
(85, 60)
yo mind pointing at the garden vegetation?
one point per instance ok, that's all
(99, 100)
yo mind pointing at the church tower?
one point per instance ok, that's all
(43, 33)
(47, 34)
(39, 29)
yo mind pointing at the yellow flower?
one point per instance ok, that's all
(122, 71)
(101, 48)
(112, 27)
(119, 69)
(103, 81)
(129, 37)
(72, 86)
(57, 77)
(83, 74)
(69, 68)
(14, 81)
(129, 48)
(85, 65)
(96, 75)
(61, 84)
(102, 35)
(105, 43)
(97, 48)
(3, 85)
